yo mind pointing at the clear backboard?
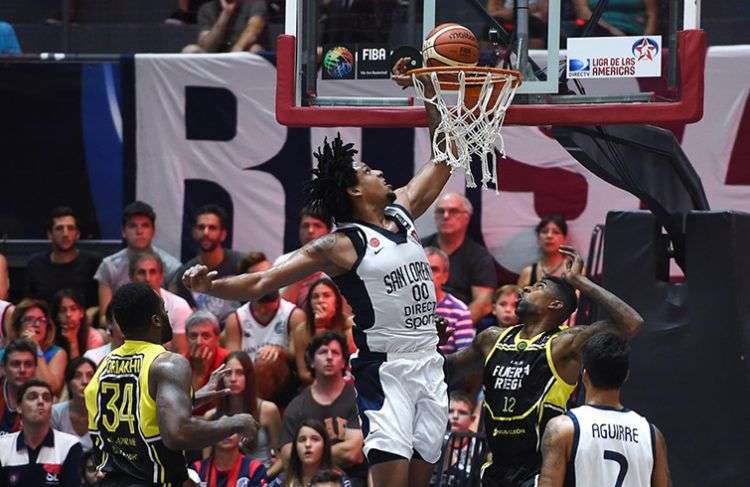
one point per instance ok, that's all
(583, 62)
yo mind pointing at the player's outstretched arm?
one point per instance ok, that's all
(170, 381)
(660, 476)
(426, 185)
(332, 253)
(471, 359)
(557, 443)
(623, 319)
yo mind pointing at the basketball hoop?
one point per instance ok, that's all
(471, 125)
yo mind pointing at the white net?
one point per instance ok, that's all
(470, 130)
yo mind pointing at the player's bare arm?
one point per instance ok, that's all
(660, 476)
(169, 383)
(623, 319)
(557, 444)
(332, 253)
(422, 190)
(471, 359)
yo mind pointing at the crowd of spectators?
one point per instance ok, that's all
(283, 358)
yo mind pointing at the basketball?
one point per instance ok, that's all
(450, 45)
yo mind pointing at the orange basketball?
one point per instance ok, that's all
(450, 45)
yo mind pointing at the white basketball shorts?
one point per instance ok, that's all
(403, 402)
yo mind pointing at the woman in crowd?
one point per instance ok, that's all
(31, 319)
(71, 416)
(324, 308)
(311, 452)
(551, 233)
(76, 335)
(243, 398)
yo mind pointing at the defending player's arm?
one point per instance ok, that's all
(557, 444)
(660, 476)
(471, 359)
(169, 380)
(420, 192)
(332, 253)
(623, 319)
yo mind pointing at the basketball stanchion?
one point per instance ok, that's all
(471, 125)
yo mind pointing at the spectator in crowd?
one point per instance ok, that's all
(138, 228)
(623, 17)
(65, 266)
(204, 353)
(8, 40)
(6, 331)
(19, 362)
(231, 26)
(32, 320)
(116, 339)
(186, 13)
(329, 477)
(91, 476)
(333, 402)
(4, 279)
(263, 329)
(71, 416)
(453, 310)
(39, 455)
(356, 20)
(324, 309)
(460, 449)
(504, 302)
(551, 233)
(472, 275)
(243, 398)
(228, 467)
(76, 335)
(147, 267)
(310, 451)
(503, 12)
(209, 233)
(311, 226)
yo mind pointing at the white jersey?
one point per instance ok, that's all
(256, 335)
(611, 447)
(390, 287)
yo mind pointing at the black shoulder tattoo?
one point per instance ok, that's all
(321, 244)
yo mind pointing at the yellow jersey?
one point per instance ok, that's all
(123, 418)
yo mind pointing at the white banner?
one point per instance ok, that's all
(539, 177)
(614, 57)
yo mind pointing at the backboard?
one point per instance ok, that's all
(334, 59)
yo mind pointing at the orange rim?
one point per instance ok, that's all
(475, 75)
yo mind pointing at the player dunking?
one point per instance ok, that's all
(376, 259)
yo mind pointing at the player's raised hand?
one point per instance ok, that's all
(214, 388)
(198, 278)
(398, 73)
(573, 264)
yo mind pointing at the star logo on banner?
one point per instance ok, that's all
(645, 49)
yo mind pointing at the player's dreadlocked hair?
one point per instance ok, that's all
(326, 193)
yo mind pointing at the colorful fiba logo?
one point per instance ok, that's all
(645, 48)
(339, 62)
